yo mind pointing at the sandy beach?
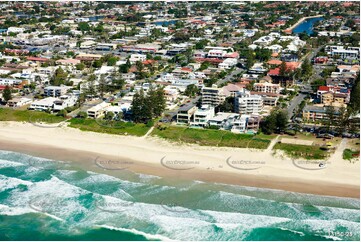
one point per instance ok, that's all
(112, 153)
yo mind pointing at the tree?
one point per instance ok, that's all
(227, 105)
(80, 66)
(112, 61)
(330, 117)
(306, 69)
(59, 77)
(7, 94)
(83, 26)
(281, 120)
(102, 85)
(109, 116)
(139, 66)
(191, 90)
(147, 107)
(97, 64)
(275, 122)
(283, 69)
(62, 113)
(355, 95)
(140, 110)
(82, 114)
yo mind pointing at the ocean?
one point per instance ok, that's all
(42, 199)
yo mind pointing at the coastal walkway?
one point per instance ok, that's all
(273, 143)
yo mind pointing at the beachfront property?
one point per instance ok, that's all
(246, 103)
(185, 114)
(45, 104)
(316, 113)
(98, 110)
(202, 116)
(19, 102)
(64, 101)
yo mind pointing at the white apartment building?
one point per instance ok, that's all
(240, 124)
(344, 54)
(246, 103)
(223, 120)
(9, 81)
(98, 110)
(43, 104)
(227, 63)
(55, 91)
(15, 30)
(213, 96)
(202, 116)
(64, 102)
(267, 87)
(137, 57)
(185, 114)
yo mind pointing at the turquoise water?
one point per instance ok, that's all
(306, 26)
(51, 200)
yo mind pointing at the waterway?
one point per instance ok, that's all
(306, 26)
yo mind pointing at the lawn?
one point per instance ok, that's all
(8, 114)
(115, 127)
(349, 154)
(210, 137)
(302, 151)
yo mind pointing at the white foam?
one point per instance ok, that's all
(11, 182)
(134, 231)
(7, 163)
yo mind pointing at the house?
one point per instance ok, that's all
(43, 104)
(223, 120)
(246, 124)
(97, 110)
(67, 62)
(227, 63)
(202, 116)
(137, 57)
(18, 102)
(64, 101)
(185, 113)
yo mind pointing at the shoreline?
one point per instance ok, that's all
(209, 164)
(300, 21)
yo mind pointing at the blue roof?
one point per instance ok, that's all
(344, 90)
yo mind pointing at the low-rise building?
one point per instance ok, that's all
(314, 113)
(43, 104)
(64, 101)
(98, 110)
(185, 114)
(202, 116)
(267, 87)
(18, 102)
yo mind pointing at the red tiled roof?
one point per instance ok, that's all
(323, 88)
(274, 72)
(186, 69)
(37, 59)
